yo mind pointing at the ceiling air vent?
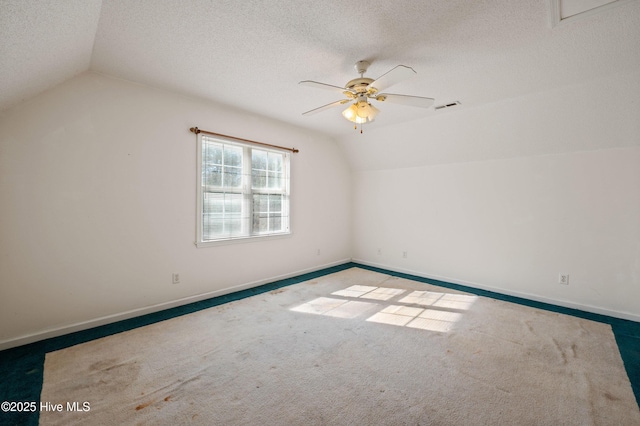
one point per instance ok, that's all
(449, 105)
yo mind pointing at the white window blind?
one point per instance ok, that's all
(243, 191)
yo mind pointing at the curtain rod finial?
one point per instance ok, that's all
(194, 130)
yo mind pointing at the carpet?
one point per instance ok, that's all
(353, 347)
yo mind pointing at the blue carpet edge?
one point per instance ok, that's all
(22, 367)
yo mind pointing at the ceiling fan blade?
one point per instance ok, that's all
(324, 86)
(396, 75)
(327, 106)
(415, 101)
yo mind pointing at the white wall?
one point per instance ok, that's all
(97, 206)
(599, 114)
(571, 204)
(513, 226)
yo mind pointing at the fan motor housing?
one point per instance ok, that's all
(359, 85)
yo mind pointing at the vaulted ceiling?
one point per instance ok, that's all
(251, 54)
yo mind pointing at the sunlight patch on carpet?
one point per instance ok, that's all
(441, 300)
(442, 316)
(424, 319)
(435, 320)
(334, 307)
(368, 292)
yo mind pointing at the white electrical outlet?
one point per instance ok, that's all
(404, 254)
(318, 252)
(176, 278)
(563, 279)
(379, 252)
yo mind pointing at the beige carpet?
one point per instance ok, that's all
(352, 348)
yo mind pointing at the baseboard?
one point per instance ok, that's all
(96, 322)
(529, 296)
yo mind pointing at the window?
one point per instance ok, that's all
(243, 191)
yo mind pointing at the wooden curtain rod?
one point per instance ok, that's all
(196, 131)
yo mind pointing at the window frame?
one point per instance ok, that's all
(246, 190)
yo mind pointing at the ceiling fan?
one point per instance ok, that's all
(359, 91)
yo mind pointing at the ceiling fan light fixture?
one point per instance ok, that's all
(360, 112)
(351, 114)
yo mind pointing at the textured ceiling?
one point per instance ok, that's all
(43, 43)
(251, 54)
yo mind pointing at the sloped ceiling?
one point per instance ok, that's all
(251, 54)
(43, 43)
